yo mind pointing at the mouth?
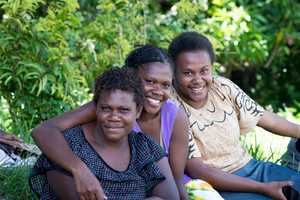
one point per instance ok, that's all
(197, 89)
(113, 128)
(155, 101)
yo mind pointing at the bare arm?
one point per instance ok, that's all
(221, 180)
(64, 187)
(167, 189)
(278, 125)
(178, 151)
(49, 139)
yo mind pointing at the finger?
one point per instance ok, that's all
(11, 137)
(286, 183)
(16, 138)
(81, 197)
(100, 194)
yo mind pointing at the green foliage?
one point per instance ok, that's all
(51, 51)
(38, 77)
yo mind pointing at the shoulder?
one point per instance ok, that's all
(225, 87)
(171, 103)
(145, 143)
(73, 130)
(142, 138)
(169, 110)
(222, 83)
(181, 116)
(73, 134)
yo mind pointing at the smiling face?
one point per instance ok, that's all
(157, 80)
(116, 115)
(194, 77)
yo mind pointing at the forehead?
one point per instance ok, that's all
(194, 58)
(156, 68)
(116, 97)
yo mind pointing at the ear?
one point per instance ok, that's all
(139, 111)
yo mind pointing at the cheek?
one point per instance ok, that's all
(167, 93)
(184, 80)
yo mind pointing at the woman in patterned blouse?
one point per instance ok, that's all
(127, 164)
(219, 112)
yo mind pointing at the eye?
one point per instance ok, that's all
(149, 81)
(204, 71)
(166, 85)
(124, 110)
(105, 108)
(188, 73)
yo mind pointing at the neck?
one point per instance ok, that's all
(147, 117)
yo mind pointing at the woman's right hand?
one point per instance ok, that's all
(274, 189)
(87, 185)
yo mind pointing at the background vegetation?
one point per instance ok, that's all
(51, 50)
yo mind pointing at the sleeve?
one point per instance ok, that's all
(38, 180)
(148, 153)
(247, 110)
(193, 148)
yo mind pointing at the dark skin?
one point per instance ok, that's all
(11, 137)
(109, 137)
(195, 71)
(157, 90)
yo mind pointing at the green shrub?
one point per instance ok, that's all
(38, 77)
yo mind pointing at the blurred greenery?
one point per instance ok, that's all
(51, 50)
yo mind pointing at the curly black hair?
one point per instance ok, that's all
(191, 42)
(124, 79)
(146, 54)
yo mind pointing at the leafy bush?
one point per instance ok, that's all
(38, 77)
(52, 50)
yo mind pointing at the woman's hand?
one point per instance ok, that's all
(88, 186)
(11, 137)
(274, 189)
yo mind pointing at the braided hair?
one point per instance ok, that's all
(120, 78)
(146, 54)
(191, 42)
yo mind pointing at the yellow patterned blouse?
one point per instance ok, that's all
(217, 126)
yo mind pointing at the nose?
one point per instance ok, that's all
(157, 91)
(197, 79)
(114, 116)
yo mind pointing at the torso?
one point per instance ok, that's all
(227, 113)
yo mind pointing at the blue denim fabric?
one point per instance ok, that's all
(262, 172)
(291, 158)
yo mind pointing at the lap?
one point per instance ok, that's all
(262, 172)
(268, 172)
(242, 195)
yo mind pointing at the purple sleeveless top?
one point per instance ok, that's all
(168, 114)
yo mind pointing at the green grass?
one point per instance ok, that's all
(14, 184)
(265, 146)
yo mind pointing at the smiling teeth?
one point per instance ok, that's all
(198, 88)
(153, 100)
